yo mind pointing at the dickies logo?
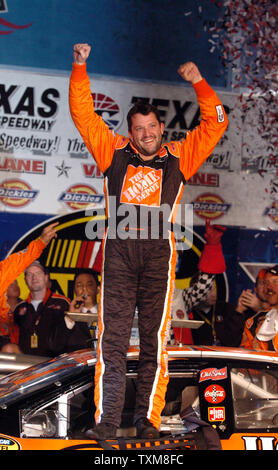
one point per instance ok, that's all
(142, 185)
(210, 206)
(108, 109)
(80, 196)
(16, 193)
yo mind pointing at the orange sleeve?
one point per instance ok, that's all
(200, 142)
(97, 136)
(15, 264)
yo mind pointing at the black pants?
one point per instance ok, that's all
(136, 272)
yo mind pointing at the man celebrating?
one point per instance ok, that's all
(138, 268)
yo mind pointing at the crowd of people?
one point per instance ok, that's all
(42, 325)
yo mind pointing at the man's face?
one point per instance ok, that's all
(211, 296)
(36, 279)
(146, 134)
(13, 290)
(271, 289)
(259, 289)
(86, 285)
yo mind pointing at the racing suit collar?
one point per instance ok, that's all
(161, 156)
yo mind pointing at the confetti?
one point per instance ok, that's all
(245, 36)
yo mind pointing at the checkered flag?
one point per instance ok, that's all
(193, 295)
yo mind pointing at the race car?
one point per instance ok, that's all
(217, 398)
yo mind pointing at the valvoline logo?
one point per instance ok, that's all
(108, 109)
(16, 193)
(210, 206)
(80, 196)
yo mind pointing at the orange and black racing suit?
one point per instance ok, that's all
(139, 270)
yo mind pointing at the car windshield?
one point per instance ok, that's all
(25, 382)
(255, 398)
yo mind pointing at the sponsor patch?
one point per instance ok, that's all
(213, 374)
(214, 394)
(220, 113)
(216, 413)
(142, 185)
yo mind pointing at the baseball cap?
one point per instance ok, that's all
(273, 270)
(261, 273)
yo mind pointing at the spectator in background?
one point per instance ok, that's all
(211, 263)
(71, 335)
(223, 324)
(14, 265)
(9, 330)
(254, 306)
(13, 295)
(37, 316)
(44, 328)
(267, 333)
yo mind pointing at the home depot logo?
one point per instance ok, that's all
(142, 185)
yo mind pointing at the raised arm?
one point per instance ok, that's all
(99, 140)
(16, 263)
(200, 142)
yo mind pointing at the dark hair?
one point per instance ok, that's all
(88, 271)
(141, 108)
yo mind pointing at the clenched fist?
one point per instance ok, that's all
(190, 72)
(81, 53)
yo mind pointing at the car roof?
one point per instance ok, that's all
(21, 384)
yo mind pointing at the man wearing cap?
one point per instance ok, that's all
(268, 332)
(254, 306)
